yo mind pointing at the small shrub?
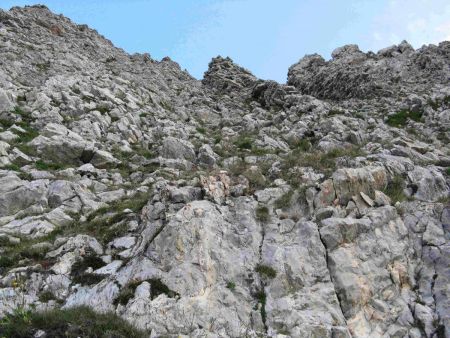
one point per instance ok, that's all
(144, 152)
(19, 111)
(127, 293)
(6, 262)
(21, 98)
(41, 165)
(107, 223)
(401, 118)
(395, 188)
(166, 106)
(201, 130)
(244, 142)
(43, 67)
(79, 274)
(25, 148)
(265, 270)
(231, 286)
(256, 179)
(103, 110)
(6, 123)
(76, 91)
(159, 288)
(434, 104)
(262, 214)
(444, 200)
(28, 132)
(320, 161)
(25, 176)
(302, 145)
(447, 171)
(13, 167)
(261, 297)
(34, 253)
(335, 112)
(46, 296)
(284, 201)
(14, 253)
(69, 323)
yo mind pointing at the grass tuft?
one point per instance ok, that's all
(401, 118)
(395, 189)
(157, 287)
(231, 285)
(262, 214)
(285, 200)
(79, 274)
(69, 323)
(265, 270)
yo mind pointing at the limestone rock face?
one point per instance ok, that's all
(354, 74)
(230, 206)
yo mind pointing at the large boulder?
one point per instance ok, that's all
(175, 148)
(6, 103)
(349, 182)
(58, 144)
(429, 184)
(17, 195)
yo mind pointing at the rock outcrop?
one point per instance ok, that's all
(227, 207)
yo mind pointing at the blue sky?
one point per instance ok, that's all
(263, 36)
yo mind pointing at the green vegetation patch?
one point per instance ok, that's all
(25, 252)
(262, 214)
(266, 271)
(255, 176)
(25, 136)
(261, 298)
(244, 142)
(47, 296)
(43, 165)
(401, 118)
(437, 103)
(68, 323)
(79, 274)
(335, 112)
(157, 287)
(109, 222)
(245, 145)
(285, 200)
(166, 106)
(231, 285)
(201, 130)
(395, 189)
(324, 162)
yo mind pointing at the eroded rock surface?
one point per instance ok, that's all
(227, 207)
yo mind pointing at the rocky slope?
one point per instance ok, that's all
(227, 207)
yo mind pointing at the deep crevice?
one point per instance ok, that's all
(331, 277)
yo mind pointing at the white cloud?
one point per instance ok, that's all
(444, 30)
(417, 21)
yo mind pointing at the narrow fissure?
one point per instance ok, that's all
(261, 294)
(331, 277)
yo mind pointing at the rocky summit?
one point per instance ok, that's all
(226, 207)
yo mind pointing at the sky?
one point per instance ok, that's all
(264, 36)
